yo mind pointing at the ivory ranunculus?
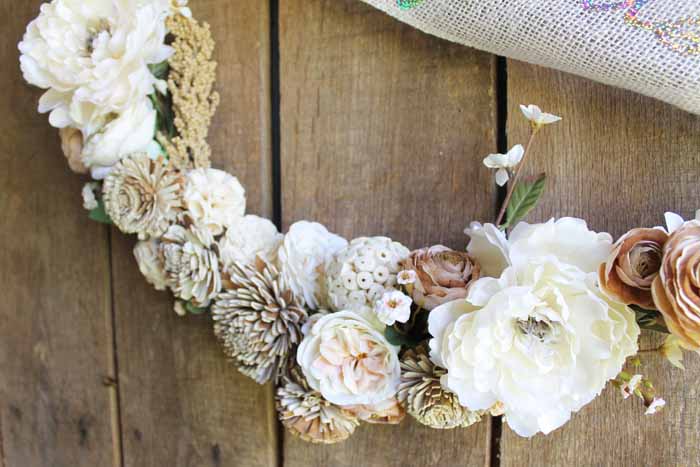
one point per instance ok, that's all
(676, 290)
(348, 361)
(92, 57)
(304, 255)
(443, 275)
(214, 199)
(542, 340)
(250, 237)
(633, 265)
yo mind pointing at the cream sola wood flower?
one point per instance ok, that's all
(150, 261)
(248, 238)
(143, 195)
(258, 320)
(214, 199)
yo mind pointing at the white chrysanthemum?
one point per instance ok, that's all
(542, 340)
(361, 273)
(348, 361)
(93, 57)
(214, 199)
(248, 237)
(304, 255)
(129, 133)
(150, 263)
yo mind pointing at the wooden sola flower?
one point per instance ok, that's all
(143, 196)
(258, 320)
(306, 414)
(425, 398)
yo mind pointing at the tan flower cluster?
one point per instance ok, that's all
(190, 82)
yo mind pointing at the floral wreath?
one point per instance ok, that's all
(530, 322)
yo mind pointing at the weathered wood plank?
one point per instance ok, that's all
(383, 133)
(55, 315)
(619, 161)
(182, 403)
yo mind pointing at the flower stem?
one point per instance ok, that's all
(516, 179)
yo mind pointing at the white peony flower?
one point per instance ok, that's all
(129, 133)
(392, 307)
(541, 339)
(489, 246)
(504, 162)
(150, 263)
(304, 255)
(214, 199)
(348, 361)
(248, 237)
(537, 118)
(93, 57)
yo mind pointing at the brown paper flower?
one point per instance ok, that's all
(72, 146)
(676, 290)
(443, 275)
(389, 412)
(632, 266)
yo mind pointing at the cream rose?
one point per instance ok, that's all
(304, 255)
(214, 199)
(542, 340)
(348, 361)
(250, 237)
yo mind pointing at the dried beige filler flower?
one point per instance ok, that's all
(190, 82)
(306, 414)
(258, 320)
(425, 398)
(142, 195)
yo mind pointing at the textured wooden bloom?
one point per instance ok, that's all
(258, 320)
(676, 290)
(143, 196)
(425, 398)
(632, 266)
(306, 414)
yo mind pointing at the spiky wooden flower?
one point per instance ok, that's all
(258, 320)
(425, 398)
(306, 414)
(142, 195)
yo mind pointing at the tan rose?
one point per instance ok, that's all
(676, 290)
(443, 275)
(632, 266)
(72, 145)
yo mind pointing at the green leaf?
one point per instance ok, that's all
(165, 117)
(195, 310)
(160, 70)
(524, 199)
(99, 214)
(397, 338)
(650, 319)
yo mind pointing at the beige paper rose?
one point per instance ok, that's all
(676, 290)
(443, 275)
(632, 266)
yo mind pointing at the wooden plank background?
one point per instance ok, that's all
(381, 130)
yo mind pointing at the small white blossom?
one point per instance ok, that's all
(406, 277)
(393, 306)
(537, 118)
(631, 386)
(656, 405)
(89, 199)
(503, 162)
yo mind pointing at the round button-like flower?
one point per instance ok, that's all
(348, 361)
(676, 290)
(542, 340)
(443, 275)
(214, 199)
(633, 265)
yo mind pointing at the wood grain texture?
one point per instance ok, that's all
(182, 403)
(620, 161)
(55, 315)
(383, 132)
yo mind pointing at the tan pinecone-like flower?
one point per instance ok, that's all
(258, 320)
(142, 195)
(425, 399)
(306, 414)
(191, 81)
(191, 265)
